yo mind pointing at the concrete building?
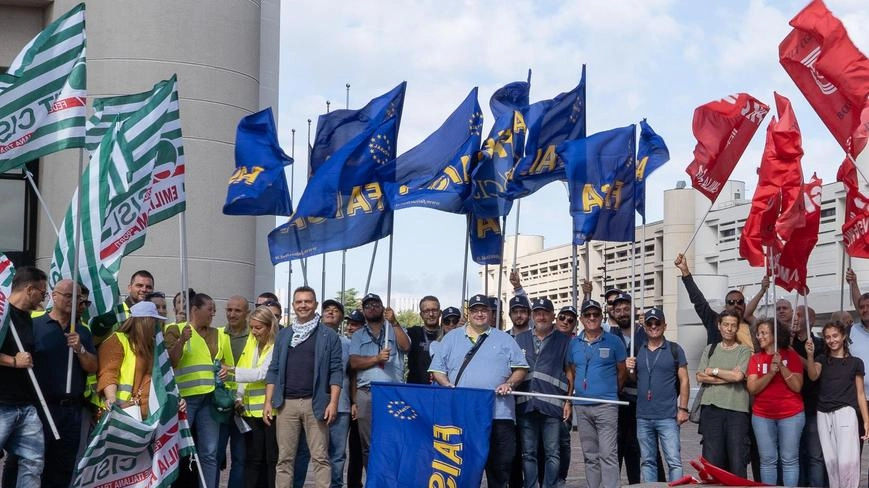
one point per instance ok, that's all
(226, 58)
(713, 259)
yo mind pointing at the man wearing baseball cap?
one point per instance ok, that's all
(377, 353)
(355, 321)
(545, 349)
(520, 310)
(661, 372)
(499, 365)
(450, 319)
(566, 320)
(597, 368)
(621, 317)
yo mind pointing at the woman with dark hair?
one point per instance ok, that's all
(775, 378)
(724, 420)
(840, 396)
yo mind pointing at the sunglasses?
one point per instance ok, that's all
(591, 315)
(567, 319)
(653, 324)
(270, 303)
(450, 321)
(741, 301)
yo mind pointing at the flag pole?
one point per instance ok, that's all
(516, 235)
(842, 279)
(566, 397)
(323, 274)
(36, 387)
(498, 305)
(371, 266)
(633, 290)
(587, 268)
(771, 260)
(292, 177)
(42, 203)
(643, 264)
(185, 277)
(465, 267)
(389, 274)
(344, 251)
(694, 235)
(574, 263)
(486, 281)
(304, 261)
(75, 271)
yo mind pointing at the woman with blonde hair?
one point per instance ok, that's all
(261, 446)
(126, 359)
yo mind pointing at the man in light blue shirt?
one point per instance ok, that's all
(498, 364)
(377, 353)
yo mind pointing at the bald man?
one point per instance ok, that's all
(238, 330)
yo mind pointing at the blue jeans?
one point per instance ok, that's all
(650, 433)
(229, 434)
(207, 436)
(534, 426)
(338, 447)
(779, 439)
(21, 435)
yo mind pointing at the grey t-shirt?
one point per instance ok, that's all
(730, 396)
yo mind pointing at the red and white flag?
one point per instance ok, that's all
(855, 230)
(723, 130)
(791, 262)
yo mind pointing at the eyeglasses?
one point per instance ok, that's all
(567, 319)
(43, 292)
(372, 306)
(450, 321)
(654, 324)
(741, 301)
(86, 303)
(591, 315)
(479, 311)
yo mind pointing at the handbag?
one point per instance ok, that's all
(694, 413)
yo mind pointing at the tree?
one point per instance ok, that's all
(408, 318)
(349, 300)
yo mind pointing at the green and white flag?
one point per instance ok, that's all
(126, 452)
(7, 272)
(167, 194)
(116, 190)
(42, 94)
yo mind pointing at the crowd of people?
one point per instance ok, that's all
(285, 400)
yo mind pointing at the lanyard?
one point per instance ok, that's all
(376, 340)
(651, 368)
(594, 349)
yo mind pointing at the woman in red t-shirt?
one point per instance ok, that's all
(775, 378)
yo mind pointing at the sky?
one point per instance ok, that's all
(654, 59)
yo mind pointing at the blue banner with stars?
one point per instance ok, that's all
(426, 435)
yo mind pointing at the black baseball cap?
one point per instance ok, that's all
(333, 302)
(543, 303)
(356, 316)
(451, 312)
(654, 313)
(622, 297)
(494, 302)
(611, 291)
(568, 309)
(591, 304)
(519, 301)
(479, 299)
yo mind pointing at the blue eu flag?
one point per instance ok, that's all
(500, 152)
(302, 237)
(486, 240)
(428, 436)
(652, 153)
(338, 127)
(338, 184)
(258, 186)
(437, 172)
(549, 122)
(600, 175)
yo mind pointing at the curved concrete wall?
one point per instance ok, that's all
(214, 47)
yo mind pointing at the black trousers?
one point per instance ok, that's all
(261, 454)
(502, 450)
(354, 457)
(725, 438)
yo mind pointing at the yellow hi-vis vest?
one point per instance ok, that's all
(254, 393)
(128, 369)
(194, 374)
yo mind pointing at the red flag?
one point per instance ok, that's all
(780, 177)
(855, 230)
(723, 130)
(826, 66)
(791, 268)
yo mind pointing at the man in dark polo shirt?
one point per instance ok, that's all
(421, 339)
(54, 339)
(303, 385)
(20, 425)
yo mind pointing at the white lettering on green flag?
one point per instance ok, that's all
(116, 187)
(42, 94)
(125, 452)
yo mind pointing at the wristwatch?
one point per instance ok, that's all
(714, 371)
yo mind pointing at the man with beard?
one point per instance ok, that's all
(520, 310)
(238, 331)
(333, 316)
(141, 283)
(421, 339)
(377, 353)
